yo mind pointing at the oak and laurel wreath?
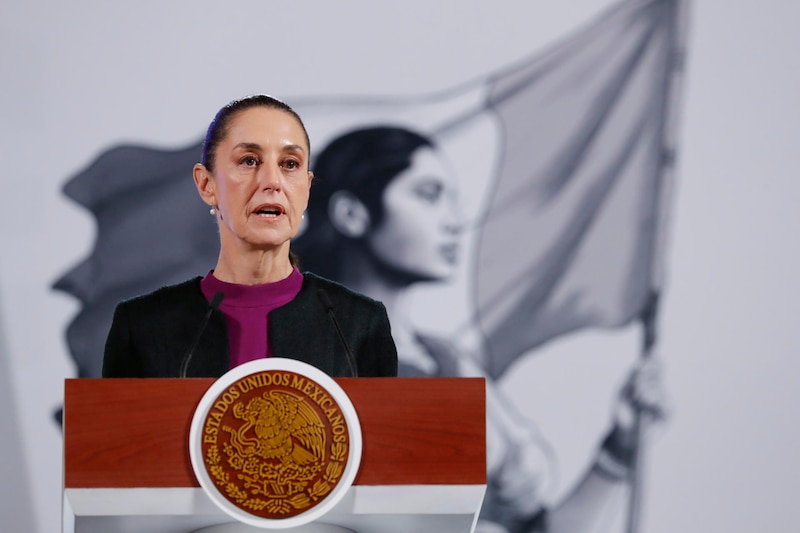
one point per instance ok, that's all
(278, 506)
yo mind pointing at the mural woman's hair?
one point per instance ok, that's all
(362, 162)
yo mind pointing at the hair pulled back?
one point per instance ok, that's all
(362, 162)
(219, 127)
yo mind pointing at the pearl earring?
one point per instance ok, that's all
(213, 210)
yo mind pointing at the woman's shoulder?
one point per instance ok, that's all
(336, 291)
(180, 294)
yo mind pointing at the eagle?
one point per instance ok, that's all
(279, 425)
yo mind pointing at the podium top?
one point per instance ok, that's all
(129, 433)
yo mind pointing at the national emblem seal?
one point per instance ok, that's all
(274, 443)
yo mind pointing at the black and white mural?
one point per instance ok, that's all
(521, 216)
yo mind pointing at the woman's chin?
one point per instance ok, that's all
(442, 275)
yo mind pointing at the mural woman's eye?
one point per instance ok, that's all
(429, 191)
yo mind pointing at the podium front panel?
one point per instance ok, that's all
(126, 455)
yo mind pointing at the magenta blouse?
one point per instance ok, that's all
(246, 309)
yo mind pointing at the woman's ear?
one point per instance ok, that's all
(348, 214)
(205, 184)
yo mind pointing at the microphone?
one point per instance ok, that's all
(328, 305)
(212, 306)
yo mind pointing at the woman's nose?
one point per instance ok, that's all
(270, 177)
(452, 228)
(453, 222)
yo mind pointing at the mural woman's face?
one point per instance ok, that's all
(419, 233)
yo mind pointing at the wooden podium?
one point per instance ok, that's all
(127, 465)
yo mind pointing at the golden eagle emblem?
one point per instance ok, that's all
(275, 445)
(278, 425)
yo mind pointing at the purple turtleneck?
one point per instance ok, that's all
(246, 309)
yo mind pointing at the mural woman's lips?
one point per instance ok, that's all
(449, 252)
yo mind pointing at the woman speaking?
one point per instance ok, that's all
(255, 303)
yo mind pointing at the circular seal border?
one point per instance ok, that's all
(271, 364)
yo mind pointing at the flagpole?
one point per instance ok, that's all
(649, 314)
(648, 319)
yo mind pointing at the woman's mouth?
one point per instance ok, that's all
(449, 252)
(269, 211)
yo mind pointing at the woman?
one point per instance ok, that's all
(255, 177)
(383, 218)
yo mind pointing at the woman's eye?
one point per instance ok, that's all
(291, 164)
(249, 161)
(429, 192)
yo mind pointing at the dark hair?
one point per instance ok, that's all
(362, 162)
(219, 126)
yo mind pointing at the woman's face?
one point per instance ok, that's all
(419, 233)
(261, 180)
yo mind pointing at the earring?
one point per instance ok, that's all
(213, 210)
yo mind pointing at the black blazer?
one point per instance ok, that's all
(150, 334)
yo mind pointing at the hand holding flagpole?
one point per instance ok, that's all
(646, 397)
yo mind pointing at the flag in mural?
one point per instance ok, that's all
(150, 233)
(582, 183)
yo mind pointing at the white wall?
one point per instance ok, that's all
(77, 77)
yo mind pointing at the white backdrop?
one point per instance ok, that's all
(78, 77)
